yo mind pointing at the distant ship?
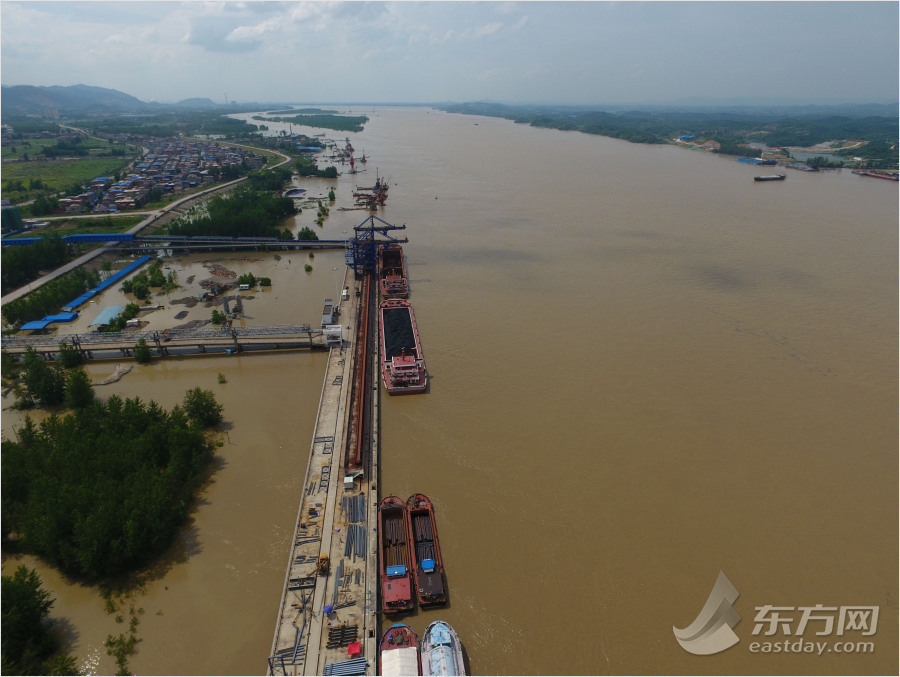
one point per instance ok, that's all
(772, 177)
(877, 175)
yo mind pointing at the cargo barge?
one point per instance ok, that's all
(441, 651)
(756, 161)
(877, 175)
(398, 652)
(428, 567)
(393, 281)
(771, 177)
(393, 556)
(402, 362)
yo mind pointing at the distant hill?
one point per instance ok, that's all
(75, 99)
(79, 100)
(198, 104)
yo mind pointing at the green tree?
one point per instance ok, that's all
(141, 289)
(79, 391)
(8, 365)
(28, 644)
(69, 355)
(142, 354)
(44, 383)
(201, 407)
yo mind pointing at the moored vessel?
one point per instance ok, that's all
(441, 651)
(878, 175)
(393, 282)
(394, 558)
(398, 652)
(428, 567)
(402, 362)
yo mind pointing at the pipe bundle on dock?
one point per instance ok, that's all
(356, 542)
(354, 508)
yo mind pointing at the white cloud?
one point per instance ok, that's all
(449, 50)
(489, 29)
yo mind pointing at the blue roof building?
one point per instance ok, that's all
(106, 316)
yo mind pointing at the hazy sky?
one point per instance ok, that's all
(514, 52)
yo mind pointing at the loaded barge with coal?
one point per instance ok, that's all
(393, 556)
(428, 568)
(392, 279)
(402, 362)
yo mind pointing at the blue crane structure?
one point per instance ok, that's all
(362, 248)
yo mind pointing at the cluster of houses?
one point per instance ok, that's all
(171, 166)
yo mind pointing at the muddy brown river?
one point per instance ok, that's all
(645, 368)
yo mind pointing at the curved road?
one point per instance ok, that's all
(151, 218)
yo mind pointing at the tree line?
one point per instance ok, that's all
(245, 212)
(341, 123)
(23, 263)
(731, 129)
(49, 298)
(102, 491)
(29, 645)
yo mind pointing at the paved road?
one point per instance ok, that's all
(151, 218)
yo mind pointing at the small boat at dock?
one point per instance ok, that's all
(393, 555)
(771, 177)
(402, 362)
(428, 567)
(441, 651)
(398, 652)
(392, 278)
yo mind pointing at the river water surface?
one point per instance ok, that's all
(645, 368)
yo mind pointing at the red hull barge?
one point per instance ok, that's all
(393, 281)
(428, 568)
(398, 652)
(402, 362)
(393, 556)
(877, 175)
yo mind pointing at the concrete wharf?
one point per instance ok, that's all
(328, 622)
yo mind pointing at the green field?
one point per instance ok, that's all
(55, 175)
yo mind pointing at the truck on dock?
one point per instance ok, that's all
(328, 313)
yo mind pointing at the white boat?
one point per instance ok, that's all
(398, 652)
(441, 651)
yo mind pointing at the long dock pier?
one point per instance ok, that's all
(181, 341)
(328, 622)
